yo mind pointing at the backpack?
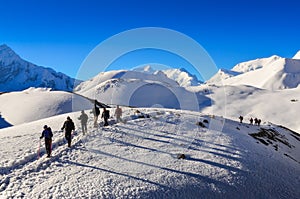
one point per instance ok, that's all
(48, 133)
(105, 114)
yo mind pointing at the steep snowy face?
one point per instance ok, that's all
(18, 74)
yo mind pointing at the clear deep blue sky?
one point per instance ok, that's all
(60, 33)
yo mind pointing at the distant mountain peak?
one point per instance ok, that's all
(18, 74)
(7, 55)
(297, 55)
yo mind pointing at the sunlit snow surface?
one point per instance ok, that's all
(138, 159)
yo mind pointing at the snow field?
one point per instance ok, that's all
(138, 159)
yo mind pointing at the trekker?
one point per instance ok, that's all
(69, 127)
(258, 122)
(47, 134)
(83, 118)
(96, 113)
(251, 120)
(118, 114)
(241, 119)
(105, 116)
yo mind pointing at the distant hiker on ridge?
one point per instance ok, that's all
(83, 118)
(105, 116)
(69, 127)
(118, 114)
(251, 120)
(47, 134)
(241, 119)
(258, 122)
(96, 113)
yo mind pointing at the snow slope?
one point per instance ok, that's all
(273, 73)
(37, 103)
(18, 74)
(280, 107)
(221, 75)
(139, 159)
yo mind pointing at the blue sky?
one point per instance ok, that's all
(60, 34)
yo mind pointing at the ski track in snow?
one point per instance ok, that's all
(138, 159)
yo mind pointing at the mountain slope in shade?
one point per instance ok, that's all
(18, 74)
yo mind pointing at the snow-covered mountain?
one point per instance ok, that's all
(18, 74)
(181, 76)
(133, 88)
(273, 73)
(36, 103)
(221, 75)
(139, 159)
(280, 107)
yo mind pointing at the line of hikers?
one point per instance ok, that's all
(255, 120)
(69, 126)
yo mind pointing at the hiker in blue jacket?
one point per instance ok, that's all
(47, 134)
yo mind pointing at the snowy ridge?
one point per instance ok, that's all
(138, 159)
(255, 64)
(139, 89)
(37, 103)
(18, 74)
(248, 101)
(221, 75)
(181, 76)
(274, 73)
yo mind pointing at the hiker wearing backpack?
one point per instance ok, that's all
(96, 113)
(83, 118)
(105, 116)
(251, 120)
(69, 127)
(241, 119)
(47, 134)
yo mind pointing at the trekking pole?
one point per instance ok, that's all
(39, 149)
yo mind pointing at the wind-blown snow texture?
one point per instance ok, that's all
(139, 159)
(18, 74)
